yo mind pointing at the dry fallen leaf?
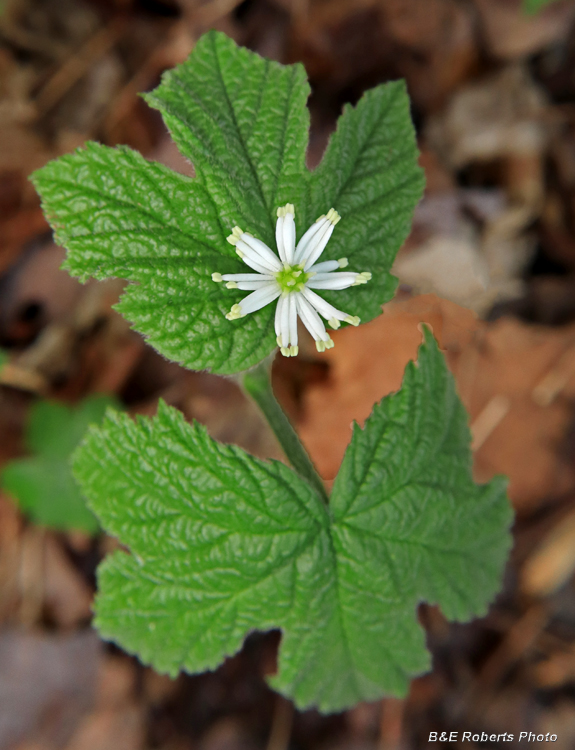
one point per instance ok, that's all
(46, 684)
(502, 115)
(66, 593)
(552, 563)
(510, 33)
(497, 366)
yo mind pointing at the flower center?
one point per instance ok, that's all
(292, 278)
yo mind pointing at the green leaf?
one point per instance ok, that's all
(222, 543)
(43, 484)
(122, 216)
(243, 122)
(534, 6)
(369, 173)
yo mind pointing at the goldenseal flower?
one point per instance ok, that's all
(291, 278)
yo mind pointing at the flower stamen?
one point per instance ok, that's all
(290, 279)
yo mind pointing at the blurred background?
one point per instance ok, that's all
(490, 264)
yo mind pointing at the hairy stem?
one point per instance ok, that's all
(257, 384)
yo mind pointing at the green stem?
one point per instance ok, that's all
(257, 384)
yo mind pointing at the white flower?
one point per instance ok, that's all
(291, 277)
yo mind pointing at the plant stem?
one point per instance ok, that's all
(257, 384)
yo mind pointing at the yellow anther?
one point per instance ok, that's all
(333, 216)
(234, 236)
(234, 313)
(284, 210)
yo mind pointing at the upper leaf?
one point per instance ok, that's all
(120, 215)
(43, 484)
(243, 122)
(217, 554)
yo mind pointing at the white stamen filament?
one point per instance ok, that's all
(267, 255)
(308, 237)
(280, 236)
(333, 280)
(292, 320)
(249, 285)
(278, 319)
(288, 231)
(250, 261)
(246, 277)
(284, 323)
(311, 319)
(324, 308)
(258, 299)
(257, 251)
(317, 246)
(325, 267)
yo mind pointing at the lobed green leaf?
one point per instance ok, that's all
(243, 122)
(222, 543)
(534, 6)
(43, 484)
(120, 215)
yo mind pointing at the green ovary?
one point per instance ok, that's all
(292, 278)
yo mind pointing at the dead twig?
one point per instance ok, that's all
(488, 419)
(77, 65)
(281, 725)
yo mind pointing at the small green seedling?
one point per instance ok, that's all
(43, 484)
(534, 6)
(221, 543)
